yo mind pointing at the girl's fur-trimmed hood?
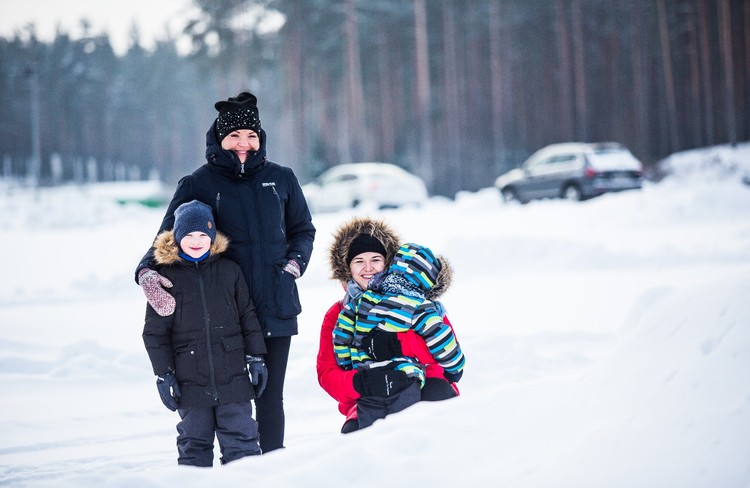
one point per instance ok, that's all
(390, 239)
(346, 233)
(166, 249)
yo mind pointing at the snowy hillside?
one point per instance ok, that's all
(607, 344)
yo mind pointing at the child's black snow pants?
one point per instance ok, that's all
(233, 425)
(372, 408)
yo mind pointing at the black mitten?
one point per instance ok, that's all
(169, 390)
(256, 367)
(380, 382)
(381, 345)
(453, 377)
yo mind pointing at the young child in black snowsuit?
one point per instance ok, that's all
(208, 354)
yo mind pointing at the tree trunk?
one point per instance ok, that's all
(496, 85)
(725, 35)
(293, 127)
(580, 84)
(387, 139)
(668, 76)
(354, 91)
(423, 93)
(640, 110)
(745, 86)
(452, 127)
(693, 119)
(565, 89)
(706, 78)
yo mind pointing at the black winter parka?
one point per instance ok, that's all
(213, 328)
(261, 208)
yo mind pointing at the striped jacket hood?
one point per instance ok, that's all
(166, 250)
(419, 265)
(346, 233)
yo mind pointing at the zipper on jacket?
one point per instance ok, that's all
(261, 251)
(218, 201)
(207, 321)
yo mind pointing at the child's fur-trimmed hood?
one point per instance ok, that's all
(166, 249)
(444, 280)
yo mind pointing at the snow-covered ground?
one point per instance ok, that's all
(607, 344)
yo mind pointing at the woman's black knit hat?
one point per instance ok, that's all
(240, 112)
(364, 243)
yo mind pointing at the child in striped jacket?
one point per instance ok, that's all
(401, 298)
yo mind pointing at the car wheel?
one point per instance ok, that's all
(509, 195)
(572, 193)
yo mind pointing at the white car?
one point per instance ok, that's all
(382, 185)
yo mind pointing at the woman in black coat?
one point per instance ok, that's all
(260, 206)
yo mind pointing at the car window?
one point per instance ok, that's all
(340, 179)
(614, 160)
(538, 163)
(563, 158)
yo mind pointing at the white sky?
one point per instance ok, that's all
(154, 18)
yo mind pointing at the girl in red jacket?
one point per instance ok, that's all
(361, 248)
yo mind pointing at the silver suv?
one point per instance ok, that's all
(573, 170)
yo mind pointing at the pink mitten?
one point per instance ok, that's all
(153, 285)
(292, 267)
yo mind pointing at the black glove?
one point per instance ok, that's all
(169, 390)
(256, 366)
(380, 382)
(453, 377)
(381, 345)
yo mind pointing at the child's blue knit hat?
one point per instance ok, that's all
(193, 216)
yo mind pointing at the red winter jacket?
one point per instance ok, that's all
(339, 382)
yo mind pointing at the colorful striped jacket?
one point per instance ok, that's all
(397, 301)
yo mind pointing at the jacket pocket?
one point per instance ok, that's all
(286, 296)
(186, 362)
(233, 359)
(232, 343)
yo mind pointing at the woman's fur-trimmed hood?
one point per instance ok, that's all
(166, 249)
(346, 233)
(390, 239)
